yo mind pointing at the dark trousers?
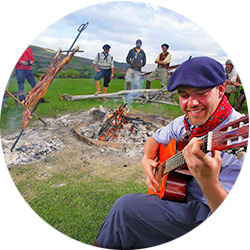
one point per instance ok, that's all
(140, 220)
(21, 75)
(105, 73)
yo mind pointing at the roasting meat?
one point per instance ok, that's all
(40, 89)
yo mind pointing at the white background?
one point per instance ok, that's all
(227, 21)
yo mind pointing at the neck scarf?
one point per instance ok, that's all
(138, 50)
(105, 56)
(222, 112)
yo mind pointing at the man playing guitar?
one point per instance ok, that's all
(145, 220)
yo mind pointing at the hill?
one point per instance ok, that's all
(79, 66)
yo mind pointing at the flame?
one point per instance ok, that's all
(117, 119)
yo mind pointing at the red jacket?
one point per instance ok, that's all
(27, 55)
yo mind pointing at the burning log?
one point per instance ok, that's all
(113, 123)
(117, 128)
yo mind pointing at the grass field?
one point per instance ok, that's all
(11, 118)
(75, 203)
(78, 207)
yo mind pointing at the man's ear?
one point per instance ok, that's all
(221, 89)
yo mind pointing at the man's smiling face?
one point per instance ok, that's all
(199, 104)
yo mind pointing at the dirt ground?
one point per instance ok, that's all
(57, 148)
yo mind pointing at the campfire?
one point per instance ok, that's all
(113, 122)
(116, 126)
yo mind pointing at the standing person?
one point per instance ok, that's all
(241, 99)
(141, 220)
(231, 75)
(104, 67)
(161, 72)
(136, 58)
(24, 71)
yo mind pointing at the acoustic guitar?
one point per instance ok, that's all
(172, 173)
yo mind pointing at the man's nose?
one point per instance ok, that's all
(192, 101)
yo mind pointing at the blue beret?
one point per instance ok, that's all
(106, 46)
(198, 72)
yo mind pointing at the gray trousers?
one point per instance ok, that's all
(161, 73)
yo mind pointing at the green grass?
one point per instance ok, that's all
(11, 118)
(76, 209)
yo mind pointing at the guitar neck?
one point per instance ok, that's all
(178, 159)
(174, 162)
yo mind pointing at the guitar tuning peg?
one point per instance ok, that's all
(240, 154)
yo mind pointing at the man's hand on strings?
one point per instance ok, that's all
(203, 167)
(206, 169)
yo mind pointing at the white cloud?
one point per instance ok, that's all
(121, 23)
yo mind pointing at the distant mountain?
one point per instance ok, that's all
(82, 67)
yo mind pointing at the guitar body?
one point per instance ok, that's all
(173, 184)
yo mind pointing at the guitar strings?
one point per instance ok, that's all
(178, 159)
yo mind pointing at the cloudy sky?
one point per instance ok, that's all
(121, 23)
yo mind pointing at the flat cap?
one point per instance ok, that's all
(164, 44)
(106, 46)
(229, 62)
(197, 72)
(138, 41)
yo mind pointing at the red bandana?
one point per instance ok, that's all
(215, 120)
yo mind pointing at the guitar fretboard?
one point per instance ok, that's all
(178, 159)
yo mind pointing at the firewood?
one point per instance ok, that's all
(136, 94)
